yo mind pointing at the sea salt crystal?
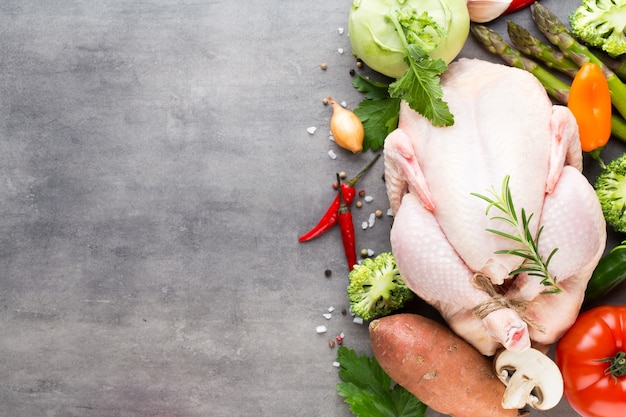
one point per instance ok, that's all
(336, 364)
(340, 50)
(368, 198)
(332, 154)
(331, 309)
(320, 329)
(364, 225)
(389, 212)
(372, 220)
(327, 316)
(357, 320)
(340, 30)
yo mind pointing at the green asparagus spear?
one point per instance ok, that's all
(532, 46)
(556, 32)
(493, 42)
(616, 64)
(554, 86)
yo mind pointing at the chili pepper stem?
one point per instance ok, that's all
(329, 219)
(617, 365)
(352, 181)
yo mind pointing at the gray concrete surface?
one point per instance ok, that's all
(155, 171)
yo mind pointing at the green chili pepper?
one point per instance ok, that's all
(609, 273)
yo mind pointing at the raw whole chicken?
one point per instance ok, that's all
(505, 125)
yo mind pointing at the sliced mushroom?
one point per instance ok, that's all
(530, 377)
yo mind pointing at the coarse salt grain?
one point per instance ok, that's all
(364, 225)
(344, 104)
(340, 50)
(389, 212)
(357, 320)
(331, 309)
(320, 329)
(311, 130)
(372, 220)
(368, 199)
(327, 316)
(370, 252)
(332, 154)
(336, 364)
(340, 30)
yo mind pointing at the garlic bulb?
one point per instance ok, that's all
(482, 11)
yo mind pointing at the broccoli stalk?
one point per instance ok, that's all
(610, 186)
(602, 24)
(376, 287)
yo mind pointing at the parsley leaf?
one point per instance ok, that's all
(370, 392)
(421, 89)
(379, 118)
(379, 113)
(373, 90)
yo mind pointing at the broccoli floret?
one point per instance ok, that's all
(610, 187)
(376, 287)
(602, 24)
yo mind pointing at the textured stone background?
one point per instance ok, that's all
(155, 171)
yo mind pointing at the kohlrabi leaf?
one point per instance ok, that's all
(420, 87)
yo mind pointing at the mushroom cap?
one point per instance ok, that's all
(531, 377)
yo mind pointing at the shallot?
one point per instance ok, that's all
(346, 128)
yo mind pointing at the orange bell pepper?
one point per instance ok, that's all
(590, 102)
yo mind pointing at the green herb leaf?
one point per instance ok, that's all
(420, 87)
(379, 113)
(370, 392)
(533, 265)
(373, 90)
(379, 118)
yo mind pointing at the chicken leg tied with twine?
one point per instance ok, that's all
(499, 301)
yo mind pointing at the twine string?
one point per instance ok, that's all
(499, 301)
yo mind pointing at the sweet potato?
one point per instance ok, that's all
(437, 366)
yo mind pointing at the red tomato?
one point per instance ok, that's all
(585, 354)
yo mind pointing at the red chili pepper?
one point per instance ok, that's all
(517, 5)
(330, 217)
(346, 225)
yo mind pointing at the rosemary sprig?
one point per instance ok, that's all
(534, 264)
